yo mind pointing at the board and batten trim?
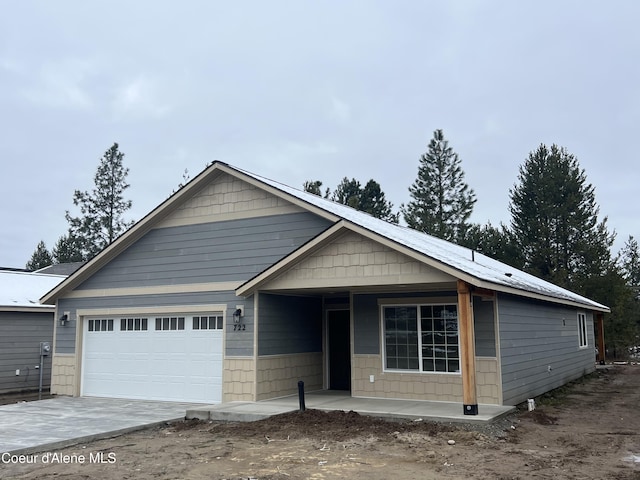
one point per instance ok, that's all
(155, 290)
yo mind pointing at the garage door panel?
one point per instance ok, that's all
(173, 365)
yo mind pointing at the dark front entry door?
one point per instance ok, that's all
(339, 350)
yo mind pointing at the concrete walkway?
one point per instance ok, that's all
(49, 424)
(46, 425)
(332, 400)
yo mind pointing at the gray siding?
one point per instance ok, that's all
(535, 336)
(20, 337)
(238, 343)
(366, 325)
(484, 327)
(211, 252)
(289, 324)
(233, 250)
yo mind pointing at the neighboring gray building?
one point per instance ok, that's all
(237, 286)
(65, 269)
(24, 323)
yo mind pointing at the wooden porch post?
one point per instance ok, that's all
(600, 335)
(467, 350)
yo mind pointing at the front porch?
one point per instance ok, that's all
(329, 400)
(378, 322)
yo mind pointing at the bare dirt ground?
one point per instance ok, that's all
(7, 398)
(589, 430)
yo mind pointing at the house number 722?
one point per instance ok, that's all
(237, 327)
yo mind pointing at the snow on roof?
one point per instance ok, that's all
(455, 256)
(24, 289)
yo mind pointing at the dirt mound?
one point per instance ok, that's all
(336, 425)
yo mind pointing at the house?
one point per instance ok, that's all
(24, 325)
(237, 287)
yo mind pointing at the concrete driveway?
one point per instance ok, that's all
(47, 424)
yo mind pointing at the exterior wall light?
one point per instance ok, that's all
(64, 319)
(238, 313)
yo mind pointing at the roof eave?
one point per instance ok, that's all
(538, 296)
(27, 309)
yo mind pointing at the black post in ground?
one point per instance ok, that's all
(301, 395)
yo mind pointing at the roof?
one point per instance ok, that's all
(473, 267)
(65, 269)
(489, 272)
(20, 291)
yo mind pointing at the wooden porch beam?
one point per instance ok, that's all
(467, 349)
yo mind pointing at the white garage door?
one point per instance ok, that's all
(172, 358)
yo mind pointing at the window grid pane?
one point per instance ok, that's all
(582, 330)
(170, 323)
(439, 338)
(133, 324)
(401, 338)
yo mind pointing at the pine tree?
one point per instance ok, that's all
(630, 262)
(370, 199)
(101, 209)
(348, 193)
(442, 202)
(374, 202)
(498, 243)
(41, 258)
(554, 219)
(314, 186)
(622, 325)
(67, 249)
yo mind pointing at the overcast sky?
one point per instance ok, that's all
(303, 90)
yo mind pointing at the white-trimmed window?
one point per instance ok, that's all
(169, 323)
(422, 338)
(211, 322)
(582, 330)
(133, 324)
(100, 325)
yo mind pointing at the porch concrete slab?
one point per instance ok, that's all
(43, 425)
(328, 400)
(239, 411)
